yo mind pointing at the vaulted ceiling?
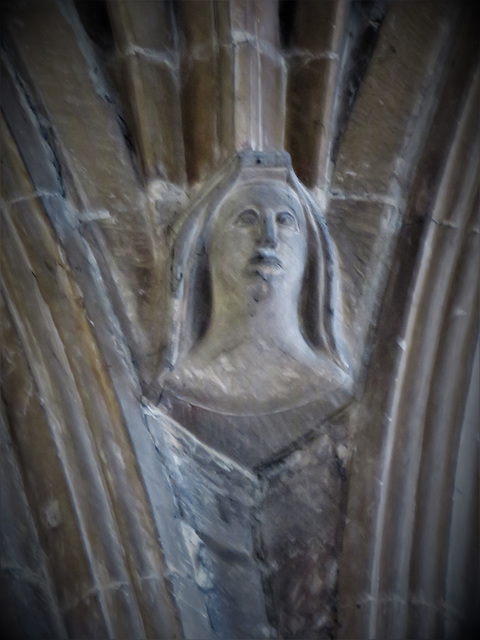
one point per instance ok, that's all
(115, 114)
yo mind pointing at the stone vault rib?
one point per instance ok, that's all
(433, 303)
(314, 61)
(121, 111)
(147, 55)
(378, 601)
(80, 394)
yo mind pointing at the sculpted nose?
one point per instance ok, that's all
(269, 232)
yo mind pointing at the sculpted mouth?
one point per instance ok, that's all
(265, 260)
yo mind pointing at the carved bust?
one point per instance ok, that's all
(255, 285)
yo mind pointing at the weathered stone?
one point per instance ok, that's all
(363, 233)
(313, 68)
(217, 499)
(45, 481)
(29, 606)
(258, 121)
(227, 100)
(462, 591)
(255, 20)
(318, 27)
(302, 518)
(463, 165)
(197, 23)
(244, 505)
(15, 183)
(428, 174)
(364, 597)
(37, 155)
(372, 156)
(199, 118)
(150, 86)
(92, 399)
(144, 26)
(308, 78)
(102, 170)
(147, 57)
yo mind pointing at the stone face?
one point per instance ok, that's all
(263, 253)
(233, 386)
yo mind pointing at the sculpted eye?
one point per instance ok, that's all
(247, 218)
(286, 219)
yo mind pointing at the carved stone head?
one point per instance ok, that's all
(255, 285)
(257, 245)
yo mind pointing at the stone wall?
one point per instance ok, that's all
(354, 516)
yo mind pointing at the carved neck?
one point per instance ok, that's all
(262, 313)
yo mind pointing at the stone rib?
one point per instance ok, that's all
(387, 127)
(314, 59)
(90, 395)
(416, 379)
(148, 58)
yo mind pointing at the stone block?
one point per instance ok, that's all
(84, 399)
(74, 97)
(217, 496)
(387, 106)
(146, 25)
(33, 147)
(152, 94)
(28, 604)
(200, 114)
(256, 441)
(259, 99)
(247, 106)
(318, 25)
(445, 126)
(272, 79)
(197, 23)
(15, 183)
(44, 480)
(239, 592)
(363, 233)
(226, 96)
(223, 22)
(460, 175)
(217, 501)
(84, 619)
(255, 21)
(307, 123)
(25, 611)
(301, 519)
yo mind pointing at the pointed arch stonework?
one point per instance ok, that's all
(239, 311)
